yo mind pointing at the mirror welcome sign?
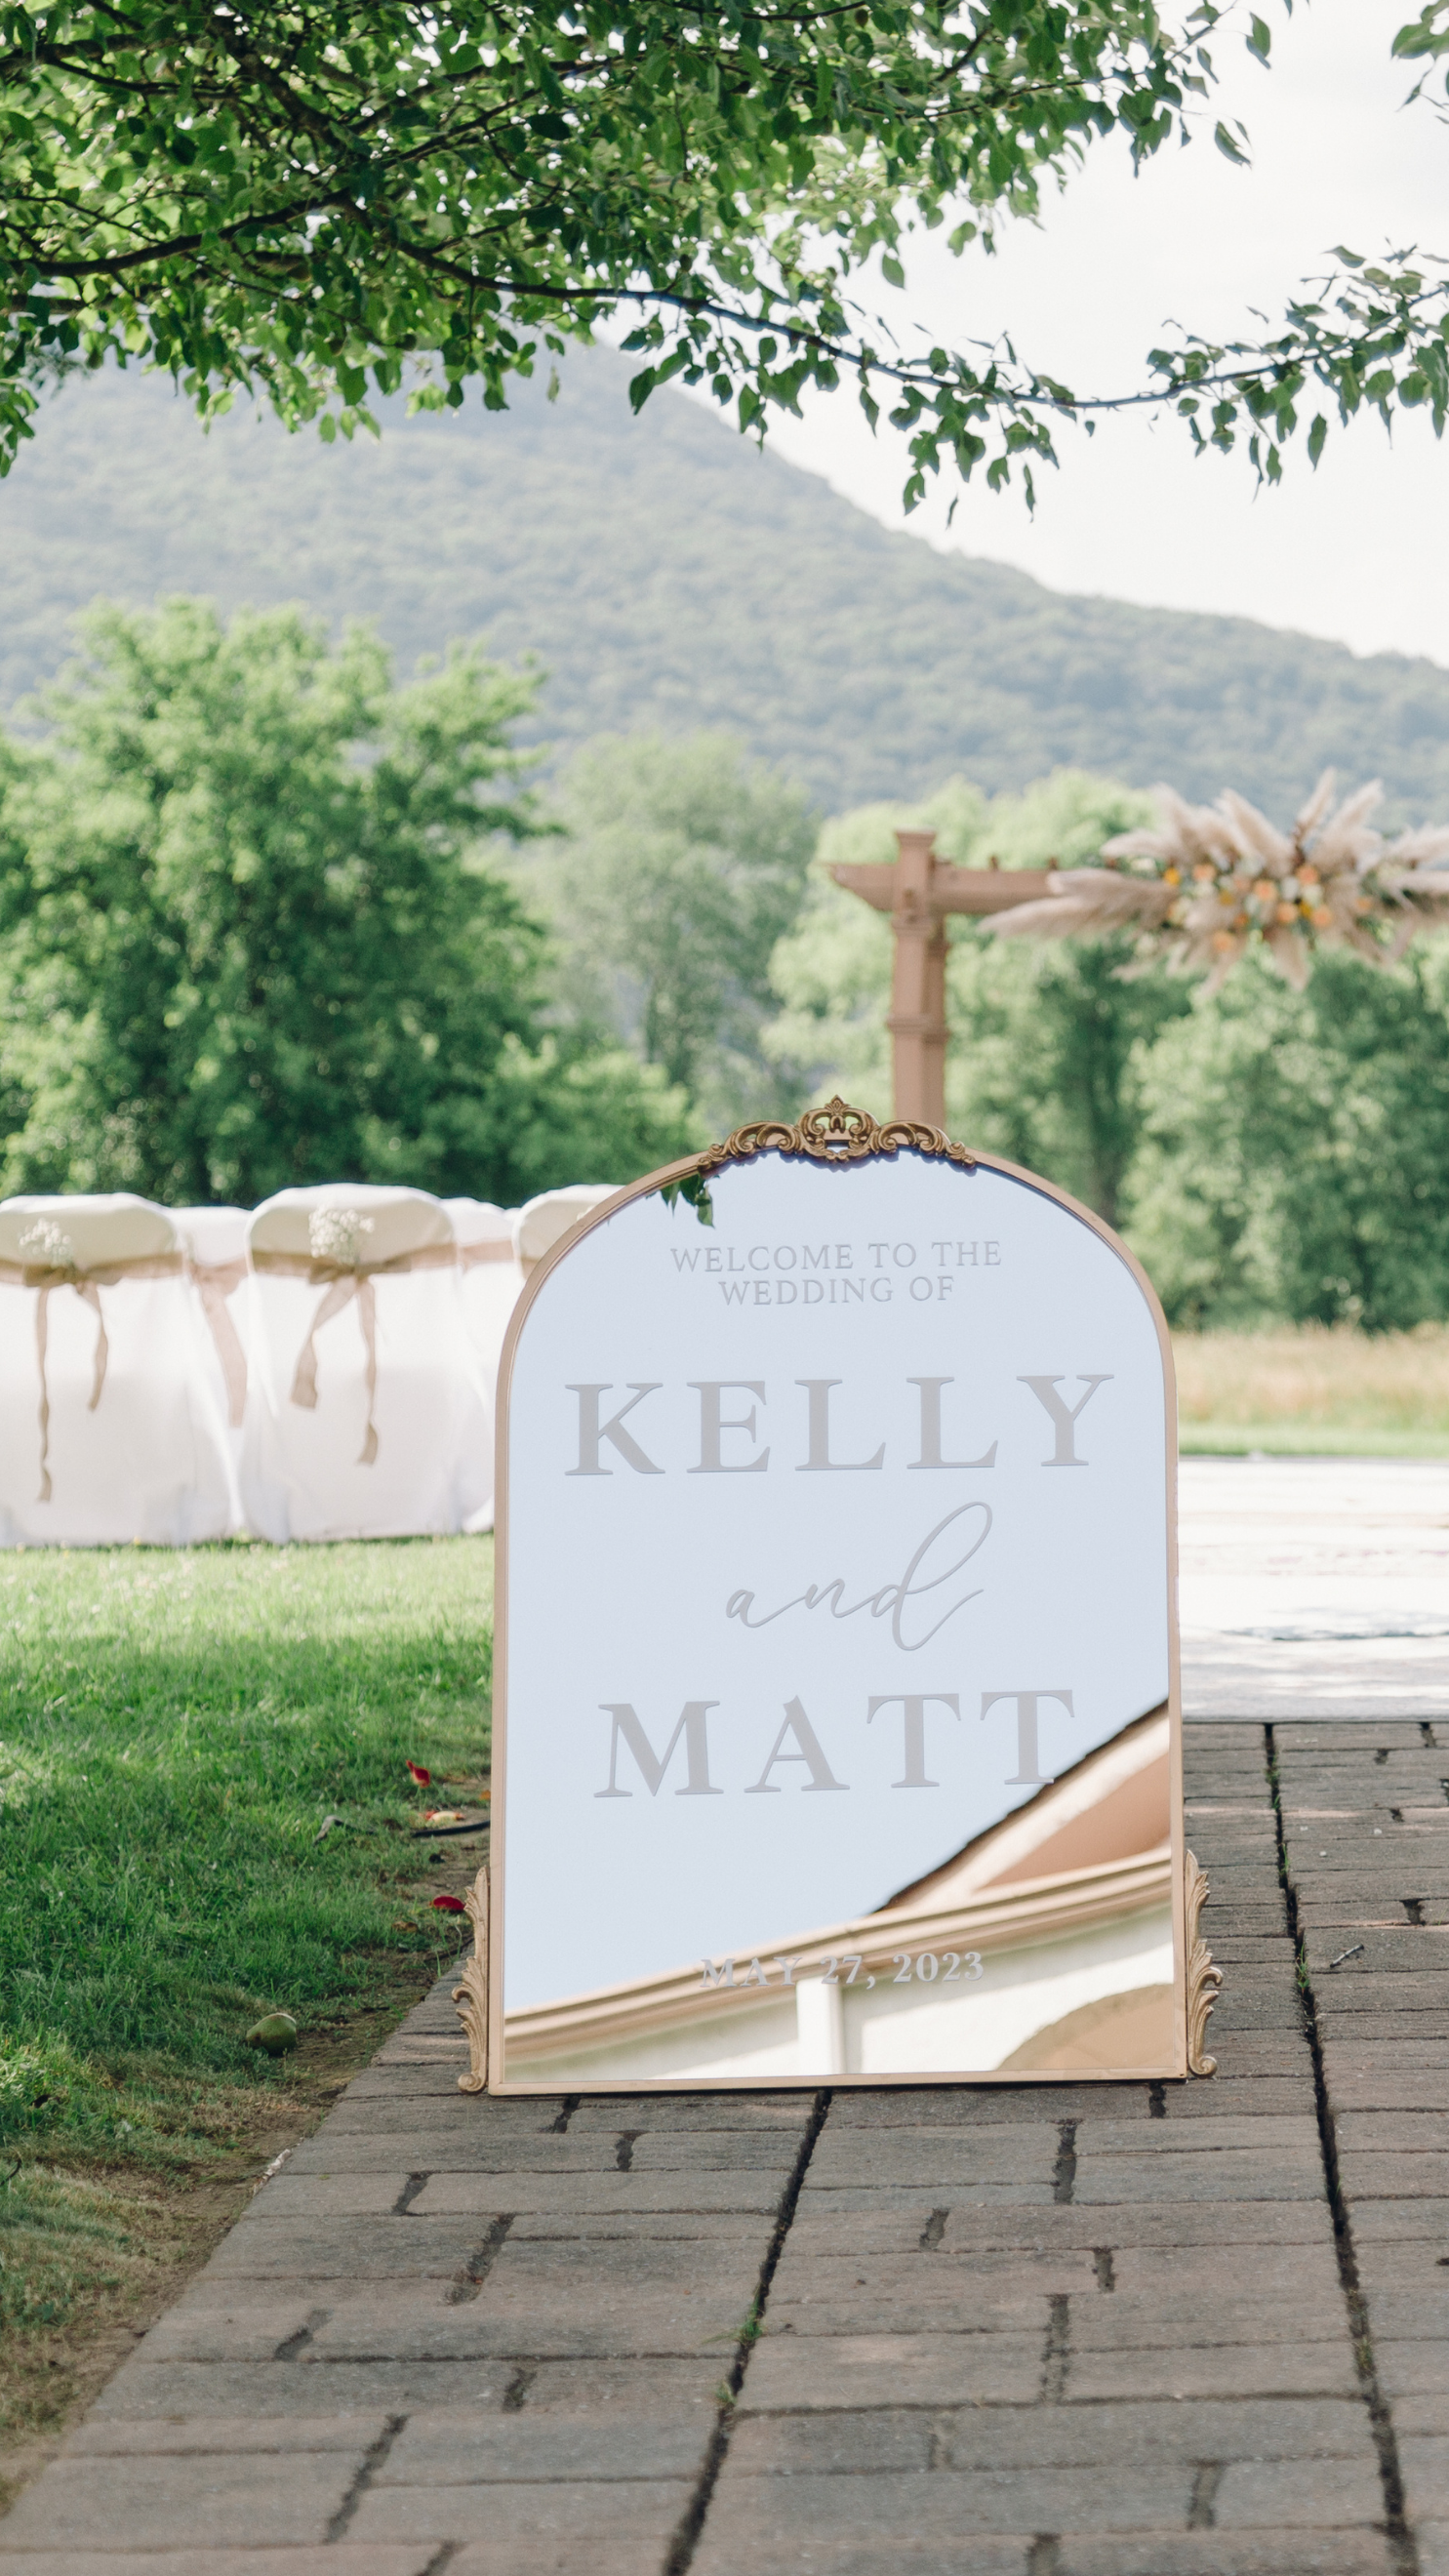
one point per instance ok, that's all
(837, 1728)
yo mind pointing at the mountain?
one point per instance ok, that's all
(666, 574)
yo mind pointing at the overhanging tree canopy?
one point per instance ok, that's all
(290, 200)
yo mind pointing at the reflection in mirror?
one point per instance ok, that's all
(1044, 1946)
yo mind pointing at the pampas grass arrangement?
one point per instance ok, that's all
(1213, 881)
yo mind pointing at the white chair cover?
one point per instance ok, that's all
(490, 1274)
(108, 1427)
(541, 1221)
(367, 1416)
(489, 1279)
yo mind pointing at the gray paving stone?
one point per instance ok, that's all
(731, 2548)
(638, 2226)
(386, 2081)
(1015, 2154)
(1214, 2173)
(1415, 2367)
(1007, 2201)
(601, 2195)
(342, 2559)
(548, 2155)
(1312, 2493)
(454, 2447)
(273, 2246)
(1366, 2090)
(1107, 2136)
(1283, 2273)
(959, 2504)
(1295, 2368)
(688, 2114)
(1424, 2459)
(224, 2497)
(344, 2195)
(1389, 2176)
(962, 2106)
(961, 2369)
(1170, 2224)
(246, 2328)
(641, 2385)
(450, 2118)
(270, 2391)
(1282, 2552)
(1170, 2324)
(1421, 2414)
(1249, 2096)
(623, 2515)
(419, 2329)
(178, 2437)
(934, 2270)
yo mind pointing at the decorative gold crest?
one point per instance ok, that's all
(471, 1997)
(835, 1134)
(1203, 1979)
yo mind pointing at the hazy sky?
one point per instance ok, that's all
(1357, 551)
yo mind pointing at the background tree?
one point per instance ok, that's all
(1294, 1149)
(250, 935)
(288, 199)
(1044, 1063)
(681, 867)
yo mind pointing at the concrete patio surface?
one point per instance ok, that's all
(1126, 2330)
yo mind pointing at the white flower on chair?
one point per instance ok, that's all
(48, 1243)
(336, 1234)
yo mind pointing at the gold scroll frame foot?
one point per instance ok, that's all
(1203, 1979)
(471, 1997)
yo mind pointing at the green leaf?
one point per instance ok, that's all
(1421, 37)
(693, 1189)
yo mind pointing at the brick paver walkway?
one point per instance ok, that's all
(1147, 2331)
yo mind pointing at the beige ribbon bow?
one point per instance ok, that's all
(214, 1282)
(87, 1283)
(344, 1281)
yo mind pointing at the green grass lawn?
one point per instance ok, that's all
(1305, 1440)
(174, 1728)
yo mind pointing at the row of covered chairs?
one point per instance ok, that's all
(322, 1367)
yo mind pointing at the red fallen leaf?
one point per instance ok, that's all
(423, 1778)
(449, 1905)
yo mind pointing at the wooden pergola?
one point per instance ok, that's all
(918, 891)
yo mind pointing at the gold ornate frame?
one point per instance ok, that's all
(836, 1134)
